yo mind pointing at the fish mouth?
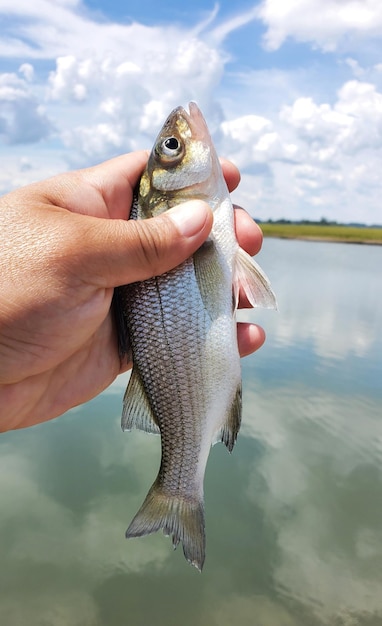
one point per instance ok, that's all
(194, 111)
(195, 114)
(194, 119)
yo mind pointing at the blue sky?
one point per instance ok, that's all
(291, 90)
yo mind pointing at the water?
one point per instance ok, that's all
(294, 515)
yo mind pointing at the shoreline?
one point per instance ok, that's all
(322, 238)
(311, 231)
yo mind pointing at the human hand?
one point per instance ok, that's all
(66, 243)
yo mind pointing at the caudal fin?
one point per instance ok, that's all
(181, 519)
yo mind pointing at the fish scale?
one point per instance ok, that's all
(181, 329)
(171, 385)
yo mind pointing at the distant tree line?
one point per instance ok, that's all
(322, 222)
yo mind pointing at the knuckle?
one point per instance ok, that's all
(152, 246)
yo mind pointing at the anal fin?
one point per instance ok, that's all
(229, 431)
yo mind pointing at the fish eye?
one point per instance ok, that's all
(171, 146)
(171, 143)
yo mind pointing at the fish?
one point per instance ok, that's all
(181, 329)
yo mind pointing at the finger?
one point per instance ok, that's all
(243, 303)
(127, 166)
(105, 190)
(250, 337)
(117, 252)
(248, 233)
(231, 174)
(116, 180)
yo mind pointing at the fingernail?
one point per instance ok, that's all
(190, 217)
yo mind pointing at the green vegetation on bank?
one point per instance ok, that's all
(322, 231)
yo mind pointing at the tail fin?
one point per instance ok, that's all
(181, 519)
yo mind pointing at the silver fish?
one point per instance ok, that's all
(186, 379)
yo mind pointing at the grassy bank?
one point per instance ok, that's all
(323, 232)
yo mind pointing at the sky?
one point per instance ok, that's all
(291, 91)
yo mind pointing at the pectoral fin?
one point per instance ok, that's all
(249, 276)
(209, 276)
(137, 412)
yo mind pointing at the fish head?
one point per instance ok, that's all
(183, 163)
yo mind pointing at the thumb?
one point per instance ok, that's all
(121, 252)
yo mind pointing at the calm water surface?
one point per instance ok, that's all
(294, 515)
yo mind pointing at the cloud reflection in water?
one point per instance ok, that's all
(294, 523)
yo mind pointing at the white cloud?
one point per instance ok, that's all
(220, 32)
(321, 159)
(20, 167)
(27, 70)
(326, 24)
(302, 154)
(252, 139)
(126, 97)
(22, 117)
(110, 90)
(246, 128)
